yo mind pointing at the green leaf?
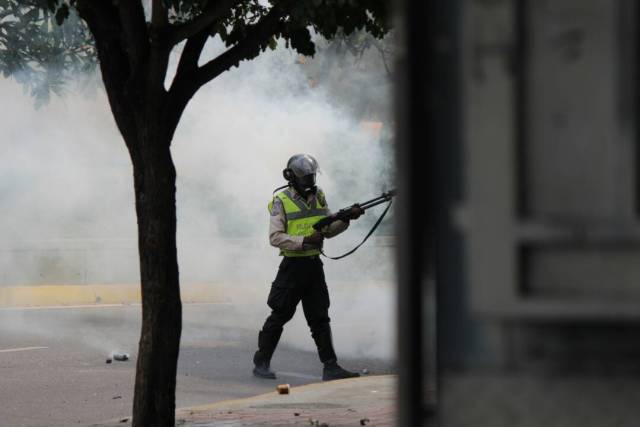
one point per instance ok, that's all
(273, 43)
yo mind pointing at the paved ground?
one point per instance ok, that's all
(53, 370)
(354, 402)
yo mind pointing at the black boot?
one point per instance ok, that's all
(333, 371)
(324, 342)
(262, 370)
(267, 342)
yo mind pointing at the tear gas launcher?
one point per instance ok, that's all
(345, 214)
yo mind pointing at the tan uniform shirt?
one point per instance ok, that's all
(278, 226)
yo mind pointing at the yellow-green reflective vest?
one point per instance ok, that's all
(300, 218)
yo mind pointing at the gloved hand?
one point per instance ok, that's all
(355, 212)
(314, 239)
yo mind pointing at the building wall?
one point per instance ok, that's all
(550, 211)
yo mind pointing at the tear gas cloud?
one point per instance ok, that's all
(67, 191)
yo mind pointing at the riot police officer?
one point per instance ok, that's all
(300, 277)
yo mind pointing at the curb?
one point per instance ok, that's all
(183, 415)
(328, 384)
(64, 295)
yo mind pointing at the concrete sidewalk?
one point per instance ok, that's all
(361, 401)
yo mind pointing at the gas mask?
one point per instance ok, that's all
(301, 174)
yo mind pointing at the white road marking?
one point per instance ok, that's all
(12, 350)
(297, 375)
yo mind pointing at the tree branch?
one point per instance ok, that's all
(189, 78)
(159, 18)
(104, 24)
(248, 48)
(214, 10)
(191, 53)
(182, 88)
(134, 28)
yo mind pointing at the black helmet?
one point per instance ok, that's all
(301, 173)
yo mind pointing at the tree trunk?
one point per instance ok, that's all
(133, 61)
(155, 189)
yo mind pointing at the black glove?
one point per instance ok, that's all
(355, 212)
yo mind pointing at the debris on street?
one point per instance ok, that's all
(328, 404)
(120, 357)
(316, 423)
(283, 388)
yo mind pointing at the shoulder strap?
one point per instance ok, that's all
(280, 188)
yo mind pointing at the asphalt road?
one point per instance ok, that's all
(53, 369)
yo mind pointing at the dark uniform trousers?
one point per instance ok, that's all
(298, 279)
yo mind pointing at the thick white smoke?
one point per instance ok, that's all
(66, 182)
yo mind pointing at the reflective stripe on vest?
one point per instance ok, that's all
(300, 219)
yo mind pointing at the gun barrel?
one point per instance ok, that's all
(373, 203)
(385, 197)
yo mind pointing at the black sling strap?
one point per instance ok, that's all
(365, 239)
